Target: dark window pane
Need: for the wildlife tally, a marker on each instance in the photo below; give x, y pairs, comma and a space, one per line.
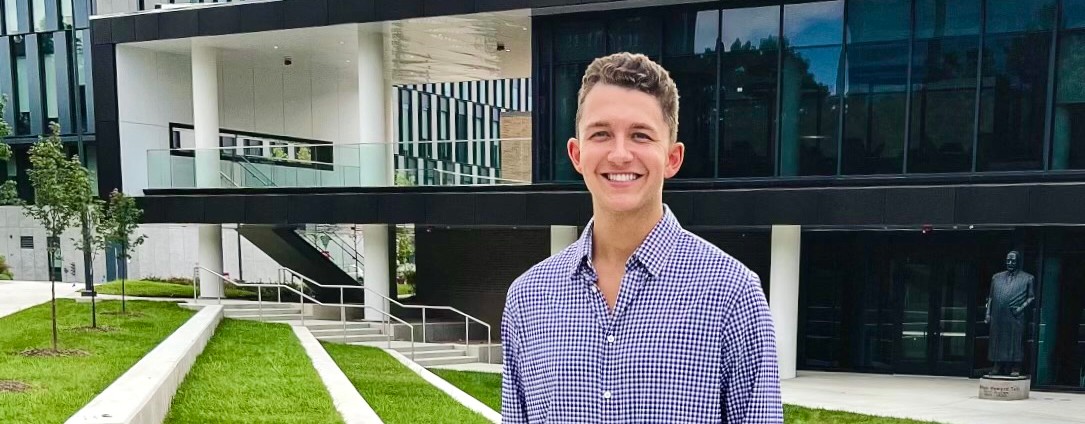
1073, 14
814, 24
879, 20
943, 104
578, 41
946, 18
81, 78
424, 117
22, 84
1019, 15
810, 107
638, 34
1012, 102
404, 115
876, 110
1068, 148
748, 71
566, 84
49, 71
691, 33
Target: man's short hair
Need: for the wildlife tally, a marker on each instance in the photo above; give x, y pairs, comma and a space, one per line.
636, 72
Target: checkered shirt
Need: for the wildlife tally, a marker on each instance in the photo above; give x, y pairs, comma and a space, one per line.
690, 339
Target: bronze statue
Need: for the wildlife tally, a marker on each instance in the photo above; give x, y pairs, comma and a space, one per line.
1011, 294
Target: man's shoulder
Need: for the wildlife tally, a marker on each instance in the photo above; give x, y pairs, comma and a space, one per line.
692, 251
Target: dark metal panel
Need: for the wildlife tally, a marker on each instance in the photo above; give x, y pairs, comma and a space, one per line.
302, 209
499, 5
501, 208
63, 81
123, 29
720, 207
101, 32
34, 82
88, 67
219, 20
109, 158
852, 207
178, 24
451, 209
6, 81
266, 209
147, 27
81, 10
558, 208
226, 209
189, 209
919, 205
400, 9
1059, 204
993, 205
261, 16
353, 208
784, 207
104, 77
401, 208
350, 11
304, 13
681, 205
447, 7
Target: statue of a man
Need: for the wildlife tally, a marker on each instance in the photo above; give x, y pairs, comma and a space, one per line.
1011, 294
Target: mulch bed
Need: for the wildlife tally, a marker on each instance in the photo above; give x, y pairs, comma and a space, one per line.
50, 353
12, 386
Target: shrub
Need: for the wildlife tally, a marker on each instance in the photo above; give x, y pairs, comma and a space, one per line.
5, 270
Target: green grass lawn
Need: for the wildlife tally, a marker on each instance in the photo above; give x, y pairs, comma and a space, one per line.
486, 387
253, 372
60, 386
142, 288
396, 393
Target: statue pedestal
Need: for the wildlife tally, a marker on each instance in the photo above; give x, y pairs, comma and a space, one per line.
1004, 387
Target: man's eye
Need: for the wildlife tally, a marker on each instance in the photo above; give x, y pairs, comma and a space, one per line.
642, 136
599, 134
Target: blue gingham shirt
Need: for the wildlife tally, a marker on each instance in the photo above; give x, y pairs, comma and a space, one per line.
690, 339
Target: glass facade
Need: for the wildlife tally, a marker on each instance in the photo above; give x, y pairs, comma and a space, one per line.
844, 87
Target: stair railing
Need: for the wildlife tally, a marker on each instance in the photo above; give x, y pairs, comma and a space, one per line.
283, 272
301, 300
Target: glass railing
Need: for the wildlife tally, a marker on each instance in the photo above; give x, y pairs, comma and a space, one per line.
337, 247
111, 7
430, 163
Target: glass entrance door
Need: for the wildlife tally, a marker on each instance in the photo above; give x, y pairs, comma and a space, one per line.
935, 309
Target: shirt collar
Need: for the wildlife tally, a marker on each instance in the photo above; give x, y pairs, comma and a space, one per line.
652, 252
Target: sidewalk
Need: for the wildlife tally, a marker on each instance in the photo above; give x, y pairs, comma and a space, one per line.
18, 295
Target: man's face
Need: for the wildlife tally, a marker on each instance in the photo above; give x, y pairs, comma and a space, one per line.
1011, 262
625, 150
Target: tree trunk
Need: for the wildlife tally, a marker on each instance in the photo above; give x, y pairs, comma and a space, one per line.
53, 290
124, 275
88, 269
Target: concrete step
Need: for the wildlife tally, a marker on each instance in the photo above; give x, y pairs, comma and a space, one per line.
446, 360
319, 325
267, 317
256, 312
436, 353
353, 339
405, 347
255, 305
338, 331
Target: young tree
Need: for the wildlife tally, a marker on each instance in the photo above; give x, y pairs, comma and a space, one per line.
60, 186
120, 223
90, 243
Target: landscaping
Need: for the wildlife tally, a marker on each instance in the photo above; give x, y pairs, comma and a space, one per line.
396, 393
174, 288
47, 388
253, 372
486, 387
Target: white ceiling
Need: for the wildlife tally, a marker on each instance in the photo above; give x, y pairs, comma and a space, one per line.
443, 49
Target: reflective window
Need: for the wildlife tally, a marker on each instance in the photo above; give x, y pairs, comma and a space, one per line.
1073, 14
814, 24
878, 20
943, 104
639, 34
690, 40
39, 15
461, 131
1004, 16
748, 72
946, 18
1061, 330
67, 16
83, 101
579, 41
22, 84
1068, 144
566, 83
48, 63
11, 17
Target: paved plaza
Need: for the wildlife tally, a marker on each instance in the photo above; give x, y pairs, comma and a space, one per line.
18, 295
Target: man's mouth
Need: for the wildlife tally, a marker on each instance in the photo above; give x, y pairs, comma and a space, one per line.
621, 177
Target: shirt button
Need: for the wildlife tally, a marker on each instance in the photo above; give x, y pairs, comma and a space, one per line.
606, 394
610, 338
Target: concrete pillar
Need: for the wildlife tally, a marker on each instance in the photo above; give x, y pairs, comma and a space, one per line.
205, 119
375, 255
210, 257
784, 294
374, 113
561, 236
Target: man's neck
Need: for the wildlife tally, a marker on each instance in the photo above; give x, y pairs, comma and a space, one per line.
616, 236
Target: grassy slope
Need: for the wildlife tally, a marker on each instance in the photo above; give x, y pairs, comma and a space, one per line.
253, 372
61, 386
397, 394
143, 288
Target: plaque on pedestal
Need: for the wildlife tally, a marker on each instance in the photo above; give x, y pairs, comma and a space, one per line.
1004, 387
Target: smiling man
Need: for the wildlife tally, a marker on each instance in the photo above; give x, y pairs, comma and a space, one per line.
639, 320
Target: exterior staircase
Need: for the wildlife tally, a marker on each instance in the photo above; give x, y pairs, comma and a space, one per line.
357, 333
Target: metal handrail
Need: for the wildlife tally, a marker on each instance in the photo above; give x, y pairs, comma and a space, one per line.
252, 170
467, 318
228, 179
301, 296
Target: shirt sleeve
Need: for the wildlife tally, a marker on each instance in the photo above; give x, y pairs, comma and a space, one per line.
751, 374
513, 404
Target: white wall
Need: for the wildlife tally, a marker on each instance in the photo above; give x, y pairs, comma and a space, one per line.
309, 101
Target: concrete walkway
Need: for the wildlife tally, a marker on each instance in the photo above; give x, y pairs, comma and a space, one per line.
942, 399
18, 295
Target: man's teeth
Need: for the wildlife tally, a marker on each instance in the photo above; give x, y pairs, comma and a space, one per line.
621, 177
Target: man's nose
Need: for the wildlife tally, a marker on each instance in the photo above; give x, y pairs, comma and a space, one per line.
620, 153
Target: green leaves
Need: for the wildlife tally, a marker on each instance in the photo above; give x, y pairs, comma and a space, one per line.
62, 191
120, 222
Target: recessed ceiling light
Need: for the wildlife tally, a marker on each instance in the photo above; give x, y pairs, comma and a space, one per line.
340, 43
348, 60
276, 47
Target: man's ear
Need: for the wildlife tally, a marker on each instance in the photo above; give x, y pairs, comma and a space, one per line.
676, 154
574, 153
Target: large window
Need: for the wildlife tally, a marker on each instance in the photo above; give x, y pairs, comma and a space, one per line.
749, 64
1013, 97
1068, 134
689, 39
49, 80
810, 83
22, 85
1060, 360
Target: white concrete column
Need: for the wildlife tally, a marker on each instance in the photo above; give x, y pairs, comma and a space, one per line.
561, 236
210, 257
374, 114
377, 278
784, 294
205, 120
